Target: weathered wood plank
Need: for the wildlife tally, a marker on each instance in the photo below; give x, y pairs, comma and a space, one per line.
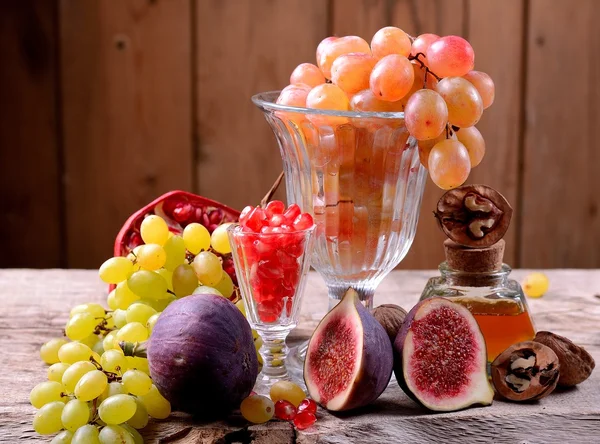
561, 156
30, 214
36, 305
243, 48
126, 93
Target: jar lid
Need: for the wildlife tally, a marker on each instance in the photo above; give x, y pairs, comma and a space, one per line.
474, 260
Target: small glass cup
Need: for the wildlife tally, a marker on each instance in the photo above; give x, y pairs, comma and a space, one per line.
271, 269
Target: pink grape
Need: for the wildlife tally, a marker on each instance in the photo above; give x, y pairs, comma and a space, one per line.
473, 141
392, 77
484, 85
293, 95
450, 56
421, 44
323, 44
419, 82
390, 40
327, 96
335, 48
425, 147
307, 74
425, 115
465, 106
449, 164
351, 72
366, 101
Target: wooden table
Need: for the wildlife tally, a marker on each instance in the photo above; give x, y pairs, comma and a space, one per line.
35, 305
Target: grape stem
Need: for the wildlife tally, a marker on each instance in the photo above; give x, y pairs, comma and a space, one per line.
423, 66
265, 200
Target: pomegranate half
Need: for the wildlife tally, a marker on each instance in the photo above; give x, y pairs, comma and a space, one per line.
440, 358
349, 358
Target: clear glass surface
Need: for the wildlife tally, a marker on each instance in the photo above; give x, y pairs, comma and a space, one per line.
359, 175
271, 270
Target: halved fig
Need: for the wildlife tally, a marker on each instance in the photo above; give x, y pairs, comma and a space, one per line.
349, 358
475, 216
440, 358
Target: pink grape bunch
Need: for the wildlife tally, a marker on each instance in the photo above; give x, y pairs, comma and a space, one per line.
429, 78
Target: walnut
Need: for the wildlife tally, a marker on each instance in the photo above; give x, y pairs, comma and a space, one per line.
391, 317
525, 371
474, 216
576, 364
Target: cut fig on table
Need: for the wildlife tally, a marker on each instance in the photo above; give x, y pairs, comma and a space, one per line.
349, 358
475, 216
440, 358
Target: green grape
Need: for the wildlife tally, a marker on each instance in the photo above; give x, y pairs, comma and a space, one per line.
151, 257
196, 238
112, 389
220, 240
111, 300
114, 434
115, 270
140, 418
117, 409
73, 374
46, 392
208, 268
137, 438
110, 341
47, 419
119, 318
167, 276
151, 322
158, 407
89, 340
124, 297
72, 352
88, 434
75, 414
91, 385
225, 285
49, 351
257, 409
287, 391
132, 332
205, 289
139, 313
241, 307
184, 280
175, 249
135, 363
147, 284
154, 230
98, 347
92, 308
80, 326
136, 382
113, 361
63, 437
56, 371
160, 304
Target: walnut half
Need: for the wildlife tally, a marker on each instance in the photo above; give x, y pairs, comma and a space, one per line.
525, 371
576, 364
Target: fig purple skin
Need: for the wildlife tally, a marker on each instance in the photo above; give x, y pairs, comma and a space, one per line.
361, 368
202, 357
440, 359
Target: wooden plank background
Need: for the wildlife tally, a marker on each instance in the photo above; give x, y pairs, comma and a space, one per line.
105, 104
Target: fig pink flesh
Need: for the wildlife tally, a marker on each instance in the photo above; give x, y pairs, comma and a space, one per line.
457, 353
336, 348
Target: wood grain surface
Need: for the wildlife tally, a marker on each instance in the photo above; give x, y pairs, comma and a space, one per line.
36, 305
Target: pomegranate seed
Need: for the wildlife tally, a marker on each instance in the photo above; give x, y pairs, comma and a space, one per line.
308, 405
245, 213
134, 240
303, 221
285, 410
183, 212
256, 219
205, 220
216, 216
292, 213
198, 215
277, 220
304, 420
274, 207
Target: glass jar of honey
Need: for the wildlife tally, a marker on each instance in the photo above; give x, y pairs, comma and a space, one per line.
478, 280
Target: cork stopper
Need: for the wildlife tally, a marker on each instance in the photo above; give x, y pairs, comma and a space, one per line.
474, 260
